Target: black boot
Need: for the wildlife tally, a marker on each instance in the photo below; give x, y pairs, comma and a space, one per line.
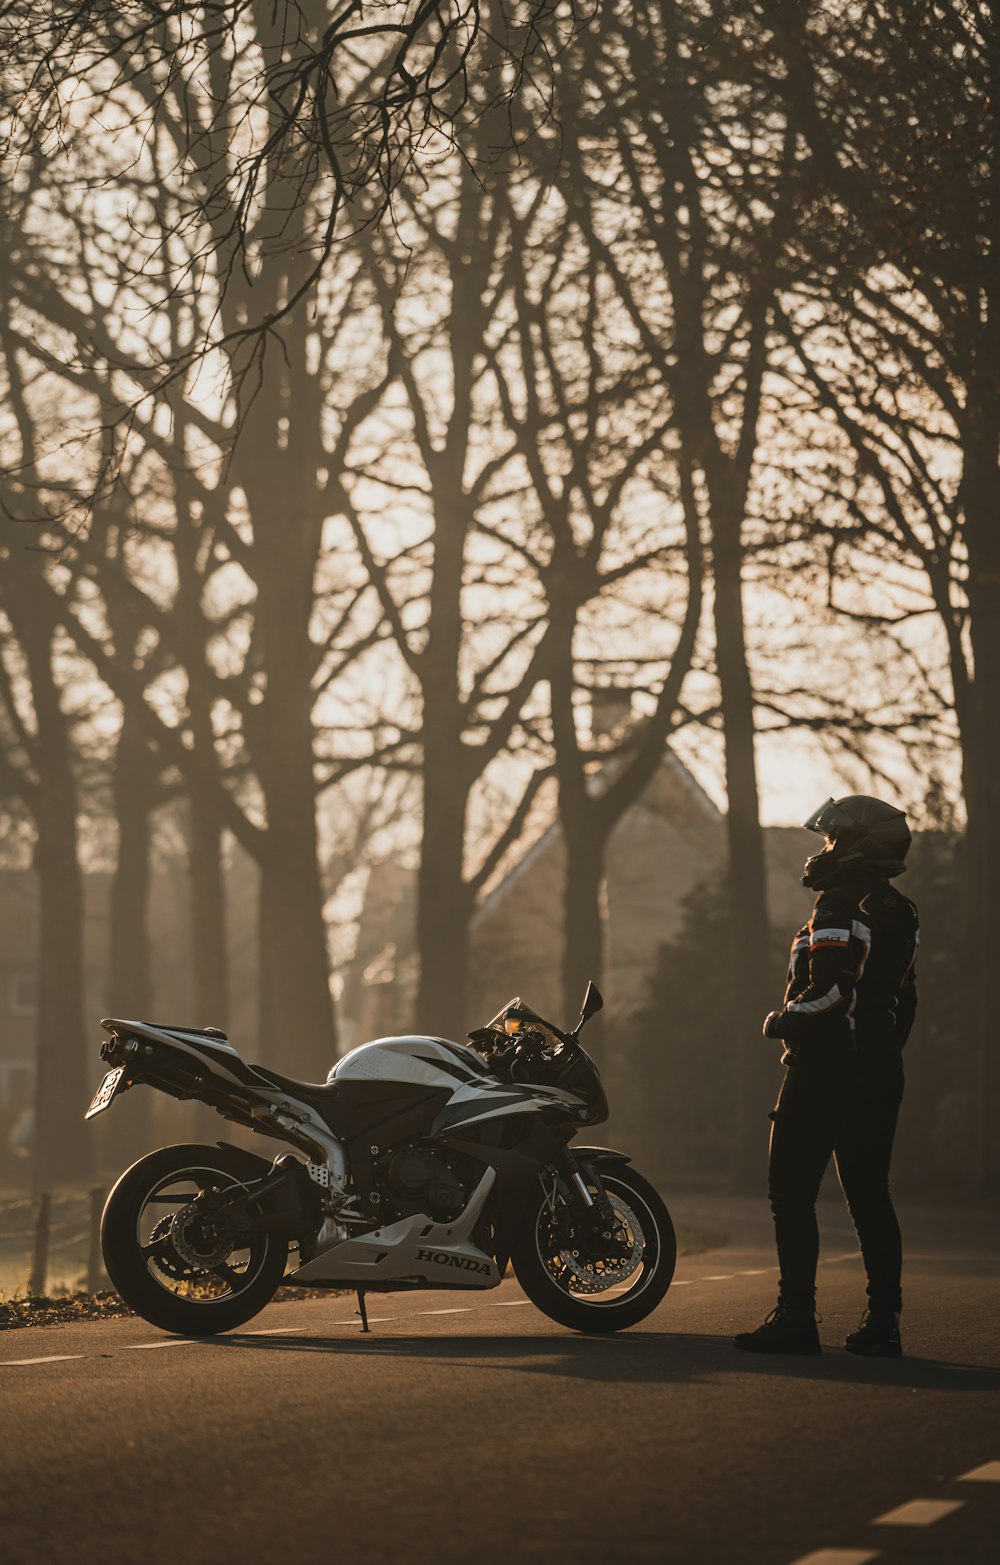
786, 1330
877, 1336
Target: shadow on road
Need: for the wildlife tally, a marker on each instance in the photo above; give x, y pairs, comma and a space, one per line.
651, 1358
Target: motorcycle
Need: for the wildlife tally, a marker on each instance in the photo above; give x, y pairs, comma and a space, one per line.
419, 1163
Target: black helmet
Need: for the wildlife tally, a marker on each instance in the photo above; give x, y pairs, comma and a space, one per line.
864, 836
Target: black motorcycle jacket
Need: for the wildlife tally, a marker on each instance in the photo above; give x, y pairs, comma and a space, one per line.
852, 971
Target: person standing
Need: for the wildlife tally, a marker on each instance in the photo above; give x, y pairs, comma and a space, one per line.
848, 1010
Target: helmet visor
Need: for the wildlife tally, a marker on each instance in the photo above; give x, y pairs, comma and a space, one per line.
829, 820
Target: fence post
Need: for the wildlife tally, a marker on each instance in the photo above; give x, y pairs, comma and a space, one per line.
95, 1261
40, 1263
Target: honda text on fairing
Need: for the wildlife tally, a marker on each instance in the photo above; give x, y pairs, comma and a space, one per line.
419, 1164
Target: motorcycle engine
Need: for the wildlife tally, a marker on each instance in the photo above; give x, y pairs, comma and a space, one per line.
417, 1179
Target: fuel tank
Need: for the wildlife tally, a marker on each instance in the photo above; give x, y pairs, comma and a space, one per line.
431, 1063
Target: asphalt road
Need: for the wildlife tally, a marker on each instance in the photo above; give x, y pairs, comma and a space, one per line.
468, 1428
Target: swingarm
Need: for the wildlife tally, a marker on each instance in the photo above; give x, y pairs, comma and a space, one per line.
293, 1202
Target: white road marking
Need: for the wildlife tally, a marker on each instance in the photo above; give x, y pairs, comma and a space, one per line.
918, 1513
171, 1342
272, 1331
352, 1320
756, 1271
837, 1557
347, 1320
988, 1473
719, 1277
682, 1282
462, 1309
51, 1358
508, 1304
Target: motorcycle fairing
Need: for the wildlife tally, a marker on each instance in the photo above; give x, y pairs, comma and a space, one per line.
216, 1052
540, 1143
413, 1250
473, 1104
213, 1061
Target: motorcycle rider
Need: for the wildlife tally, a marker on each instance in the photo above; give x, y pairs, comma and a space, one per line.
848, 1009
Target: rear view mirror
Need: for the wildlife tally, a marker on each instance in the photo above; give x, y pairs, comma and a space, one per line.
593, 1002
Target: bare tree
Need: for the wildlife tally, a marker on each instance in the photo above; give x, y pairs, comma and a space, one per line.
895, 117
244, 543
468, 671
290, 123
681, 170
594, 434
39, 767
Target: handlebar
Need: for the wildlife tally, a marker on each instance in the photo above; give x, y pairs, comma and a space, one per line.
521, 1046
502, 1041
518, 1032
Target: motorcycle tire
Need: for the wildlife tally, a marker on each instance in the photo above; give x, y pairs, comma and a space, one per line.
547, 1275
144, 1280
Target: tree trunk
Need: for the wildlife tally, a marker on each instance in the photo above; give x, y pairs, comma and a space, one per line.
981, 504
130, 984
583, 921
748, 960
444, 905
296, 1009
62, 1150
208, 933
583, 944
210, 960
209, 951
444, 900
278, 473
297, 1032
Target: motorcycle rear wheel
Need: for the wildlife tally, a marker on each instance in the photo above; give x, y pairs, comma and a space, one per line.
185, 1293
569, 1286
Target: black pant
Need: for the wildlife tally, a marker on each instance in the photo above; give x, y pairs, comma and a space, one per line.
846, 1108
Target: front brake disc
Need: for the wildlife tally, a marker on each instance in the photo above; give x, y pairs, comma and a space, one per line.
595, 1273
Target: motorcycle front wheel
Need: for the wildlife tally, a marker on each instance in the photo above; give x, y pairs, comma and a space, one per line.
593, 1278
175, 1249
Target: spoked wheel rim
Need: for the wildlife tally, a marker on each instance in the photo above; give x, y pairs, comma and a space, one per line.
188, 1241
576, 1265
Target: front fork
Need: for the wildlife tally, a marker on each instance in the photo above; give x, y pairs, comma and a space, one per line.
575, 1189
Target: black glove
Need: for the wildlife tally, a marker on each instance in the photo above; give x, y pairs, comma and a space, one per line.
774, 1024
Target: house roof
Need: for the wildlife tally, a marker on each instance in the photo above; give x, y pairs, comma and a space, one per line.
672, 791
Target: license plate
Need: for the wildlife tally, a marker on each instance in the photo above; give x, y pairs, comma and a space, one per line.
113, 1083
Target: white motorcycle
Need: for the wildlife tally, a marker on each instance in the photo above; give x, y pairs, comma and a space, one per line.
419, 1163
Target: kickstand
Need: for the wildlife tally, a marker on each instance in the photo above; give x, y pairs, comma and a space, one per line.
363, 1308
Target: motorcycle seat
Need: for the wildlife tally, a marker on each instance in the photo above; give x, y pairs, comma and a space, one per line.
323, 1090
